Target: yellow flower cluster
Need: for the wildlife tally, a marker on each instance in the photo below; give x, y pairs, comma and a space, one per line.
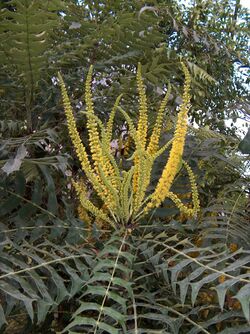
124, 193
74, 135
143, 110
83, 214
155, 137
109, 129
150, 154
141, 131
92, 126
87, 204
102, 164
194, 190
98, 157
183, 209
175, 157
78, 145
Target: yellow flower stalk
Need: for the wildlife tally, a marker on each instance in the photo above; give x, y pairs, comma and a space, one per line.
109, 128
143, 110
78, 145
144, 174
88, 205
155, 137
194, 190
183, 209
175, 157
100, 159
83, 214
151, 154
75, 137
92, 126
141, 132
189, 212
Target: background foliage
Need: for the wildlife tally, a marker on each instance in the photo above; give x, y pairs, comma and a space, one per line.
171, 275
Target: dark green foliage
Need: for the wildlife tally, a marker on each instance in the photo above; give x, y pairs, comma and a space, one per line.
26, 39
40, 262
146, 280
107, 291
27, 29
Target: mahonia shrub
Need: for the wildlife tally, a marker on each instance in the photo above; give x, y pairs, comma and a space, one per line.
123, 191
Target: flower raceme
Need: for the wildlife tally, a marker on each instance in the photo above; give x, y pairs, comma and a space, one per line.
123, 191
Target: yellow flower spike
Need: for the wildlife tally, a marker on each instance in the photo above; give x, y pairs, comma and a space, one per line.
111, 193
136, 174
143, 110
162, 149
94, 141
83, 214
155, 137
145, 167
88, 93
151, 150
132, 130
81, 186
142, 126
138, 179
109, 127
183, 209
142, 129
79, 147
99, 157
195, 194
175, 156
138, 148
88, 205
75, 137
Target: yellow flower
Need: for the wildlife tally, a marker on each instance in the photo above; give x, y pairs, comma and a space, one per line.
100, 158
87, 204
143, 110
183, 209
155, 137
142, 174
78, 145
108, 134
194, 190
175, 157
141, 129
83, 214
143, 168
75, 137
92, 126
